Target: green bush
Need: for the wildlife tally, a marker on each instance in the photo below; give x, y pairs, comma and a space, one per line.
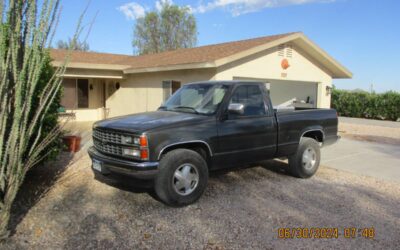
362, 104
51, 118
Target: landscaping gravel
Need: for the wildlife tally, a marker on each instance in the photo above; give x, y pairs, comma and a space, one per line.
370, 130
242, 209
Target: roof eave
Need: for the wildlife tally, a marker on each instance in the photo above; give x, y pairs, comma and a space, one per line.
199, 65
338, 70
95, 66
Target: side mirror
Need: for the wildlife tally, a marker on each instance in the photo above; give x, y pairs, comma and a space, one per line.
236, 108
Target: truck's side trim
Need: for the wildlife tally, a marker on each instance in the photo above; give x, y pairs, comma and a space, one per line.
184, 142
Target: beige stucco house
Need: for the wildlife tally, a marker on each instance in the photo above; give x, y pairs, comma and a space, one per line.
99, 85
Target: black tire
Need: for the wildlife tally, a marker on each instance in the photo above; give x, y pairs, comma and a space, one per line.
164, 182
298, 167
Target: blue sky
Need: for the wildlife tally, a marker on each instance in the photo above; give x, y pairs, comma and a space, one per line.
364, 35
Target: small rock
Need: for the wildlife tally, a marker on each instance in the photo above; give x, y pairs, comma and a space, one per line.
211, 242
147, 235
38, 232
139, 222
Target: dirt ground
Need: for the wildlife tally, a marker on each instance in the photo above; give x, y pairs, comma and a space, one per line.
370, 133
242, 209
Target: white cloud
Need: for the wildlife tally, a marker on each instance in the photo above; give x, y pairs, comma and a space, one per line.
160, 3
240, 7
132, 10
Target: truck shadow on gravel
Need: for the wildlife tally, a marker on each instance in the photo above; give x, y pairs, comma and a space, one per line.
129, 184
276, 166
240, 209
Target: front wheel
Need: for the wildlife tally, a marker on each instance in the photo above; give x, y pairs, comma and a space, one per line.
305, 162
182, 177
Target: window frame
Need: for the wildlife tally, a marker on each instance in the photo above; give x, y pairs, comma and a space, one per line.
237, 117
76, 104
77, 93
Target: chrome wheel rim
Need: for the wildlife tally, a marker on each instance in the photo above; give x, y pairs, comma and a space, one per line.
309, 158
185, 179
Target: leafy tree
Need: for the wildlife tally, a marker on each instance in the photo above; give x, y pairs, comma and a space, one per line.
70, 44
29, 92
171, 28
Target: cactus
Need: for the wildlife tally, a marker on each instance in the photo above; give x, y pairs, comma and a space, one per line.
26, 31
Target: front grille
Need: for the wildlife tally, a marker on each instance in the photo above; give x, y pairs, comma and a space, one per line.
106, 136
107, 148
106, 141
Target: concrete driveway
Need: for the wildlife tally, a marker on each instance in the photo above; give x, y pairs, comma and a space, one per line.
365, 158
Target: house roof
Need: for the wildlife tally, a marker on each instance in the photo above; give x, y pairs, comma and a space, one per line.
199, 57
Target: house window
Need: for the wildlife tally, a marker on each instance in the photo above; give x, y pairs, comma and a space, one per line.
83, 93
169, 88
76, 93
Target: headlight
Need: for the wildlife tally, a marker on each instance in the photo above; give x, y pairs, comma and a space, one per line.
142, 152
131, 152
127, 139
141, 141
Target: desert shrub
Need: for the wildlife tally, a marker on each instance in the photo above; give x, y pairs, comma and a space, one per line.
50, 120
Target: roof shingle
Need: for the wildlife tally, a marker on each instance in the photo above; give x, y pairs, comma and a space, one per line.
201, 54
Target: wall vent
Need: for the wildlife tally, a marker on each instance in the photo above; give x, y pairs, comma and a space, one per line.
289, 51
285, 50
281, 50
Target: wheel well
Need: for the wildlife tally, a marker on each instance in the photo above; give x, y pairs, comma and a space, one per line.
200, 148
315, 134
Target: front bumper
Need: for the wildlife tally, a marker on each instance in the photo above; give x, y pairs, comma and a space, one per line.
140, 170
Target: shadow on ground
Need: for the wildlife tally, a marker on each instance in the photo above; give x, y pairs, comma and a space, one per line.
240, 209
38, 181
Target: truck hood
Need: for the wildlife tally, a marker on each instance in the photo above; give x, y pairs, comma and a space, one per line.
146, 121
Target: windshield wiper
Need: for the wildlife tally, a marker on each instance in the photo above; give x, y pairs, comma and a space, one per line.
186, 107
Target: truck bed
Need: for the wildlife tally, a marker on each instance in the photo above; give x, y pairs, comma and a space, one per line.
293, 123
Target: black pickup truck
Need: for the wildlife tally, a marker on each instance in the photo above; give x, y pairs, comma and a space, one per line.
207, 126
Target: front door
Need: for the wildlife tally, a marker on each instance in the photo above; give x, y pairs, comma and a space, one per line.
249, 137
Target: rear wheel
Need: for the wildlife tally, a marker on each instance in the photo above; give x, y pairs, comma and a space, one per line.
305, 162
182, 177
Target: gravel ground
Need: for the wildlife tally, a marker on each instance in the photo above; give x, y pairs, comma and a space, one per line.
242, 209
384, 132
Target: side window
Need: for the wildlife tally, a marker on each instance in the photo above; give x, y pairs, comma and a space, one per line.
252, 99
83, 93
76, 93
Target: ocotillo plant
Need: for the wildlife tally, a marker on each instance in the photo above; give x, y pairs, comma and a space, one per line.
26, 32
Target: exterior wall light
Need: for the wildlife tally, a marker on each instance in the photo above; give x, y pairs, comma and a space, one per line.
328, 90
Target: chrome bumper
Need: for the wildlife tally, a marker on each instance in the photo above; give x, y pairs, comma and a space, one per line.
141, 170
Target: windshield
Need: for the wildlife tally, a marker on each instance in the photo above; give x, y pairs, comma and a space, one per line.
196, 98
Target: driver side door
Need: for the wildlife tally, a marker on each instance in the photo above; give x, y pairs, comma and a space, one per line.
248, 137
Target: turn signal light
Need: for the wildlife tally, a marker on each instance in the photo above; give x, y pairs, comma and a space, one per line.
144, 154
143, 141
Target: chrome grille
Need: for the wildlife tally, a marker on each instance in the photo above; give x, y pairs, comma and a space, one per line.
104, 141
106, 136
107, 148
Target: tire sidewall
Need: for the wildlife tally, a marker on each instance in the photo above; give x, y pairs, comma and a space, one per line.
304, 144
164, 181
